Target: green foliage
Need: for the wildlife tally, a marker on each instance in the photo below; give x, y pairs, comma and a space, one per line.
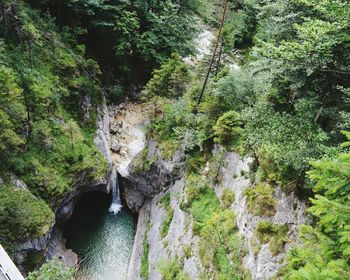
275, 235
283, 142
228, 129
260, 200
219, 244
135, 36
175, 129
46, 136
227, 198
216, 164
325, 251
144, 259
165, 201
12, 111
202, 207
58, 153
195, 188
22, 216
53, 270
292, 95
170, 80
240, 24
195, 163
143, 162
172, 270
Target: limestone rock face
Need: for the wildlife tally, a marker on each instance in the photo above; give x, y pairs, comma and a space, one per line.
128, 143
30, 245
289, 210
261, 264
102, 138
159, 175
179, 236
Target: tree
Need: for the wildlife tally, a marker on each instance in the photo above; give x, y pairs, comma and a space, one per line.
228, 129
135, 36
12, 113
170, 80
326, 249
53, 270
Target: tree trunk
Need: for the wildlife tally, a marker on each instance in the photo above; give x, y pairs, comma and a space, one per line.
213, 55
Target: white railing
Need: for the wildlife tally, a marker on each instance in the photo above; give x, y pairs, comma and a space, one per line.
8, 270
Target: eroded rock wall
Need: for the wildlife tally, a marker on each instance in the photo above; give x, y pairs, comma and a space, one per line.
261, 263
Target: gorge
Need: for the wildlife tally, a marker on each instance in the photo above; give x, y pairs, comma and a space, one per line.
137, 142
103, 240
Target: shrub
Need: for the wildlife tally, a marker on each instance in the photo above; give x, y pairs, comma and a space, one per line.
228, 129
144, 259
275, 235
219, 244
260, 200
53, 270
194, 188
143, 163
170, 80
16, 224
172, 270
165, 201
227, 198
166, 223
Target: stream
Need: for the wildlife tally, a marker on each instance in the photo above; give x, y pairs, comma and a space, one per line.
102, 240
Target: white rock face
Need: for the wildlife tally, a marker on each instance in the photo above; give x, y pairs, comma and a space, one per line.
102, 138
289, 211
17, 182
203, 44
134, 270
128, 138
262, 265
170, 247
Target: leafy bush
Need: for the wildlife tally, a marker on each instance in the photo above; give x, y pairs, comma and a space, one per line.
46, 136
275, 235
228, 129
56, 157
165, 201
174, 129
325, 248
170, 80
53, 270
143, 163
260, 200
219, 244
12, 111
144, 259
171, 270
227, 198
22, 216
195, 188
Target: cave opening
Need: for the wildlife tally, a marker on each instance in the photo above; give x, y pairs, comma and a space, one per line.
102, 240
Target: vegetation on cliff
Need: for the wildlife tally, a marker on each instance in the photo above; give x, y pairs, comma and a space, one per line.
58, 61
53, 270
285, 108
49, 95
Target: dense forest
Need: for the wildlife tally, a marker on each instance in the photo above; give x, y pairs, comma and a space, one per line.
287, 107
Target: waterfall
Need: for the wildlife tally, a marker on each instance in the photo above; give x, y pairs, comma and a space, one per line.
116, 204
